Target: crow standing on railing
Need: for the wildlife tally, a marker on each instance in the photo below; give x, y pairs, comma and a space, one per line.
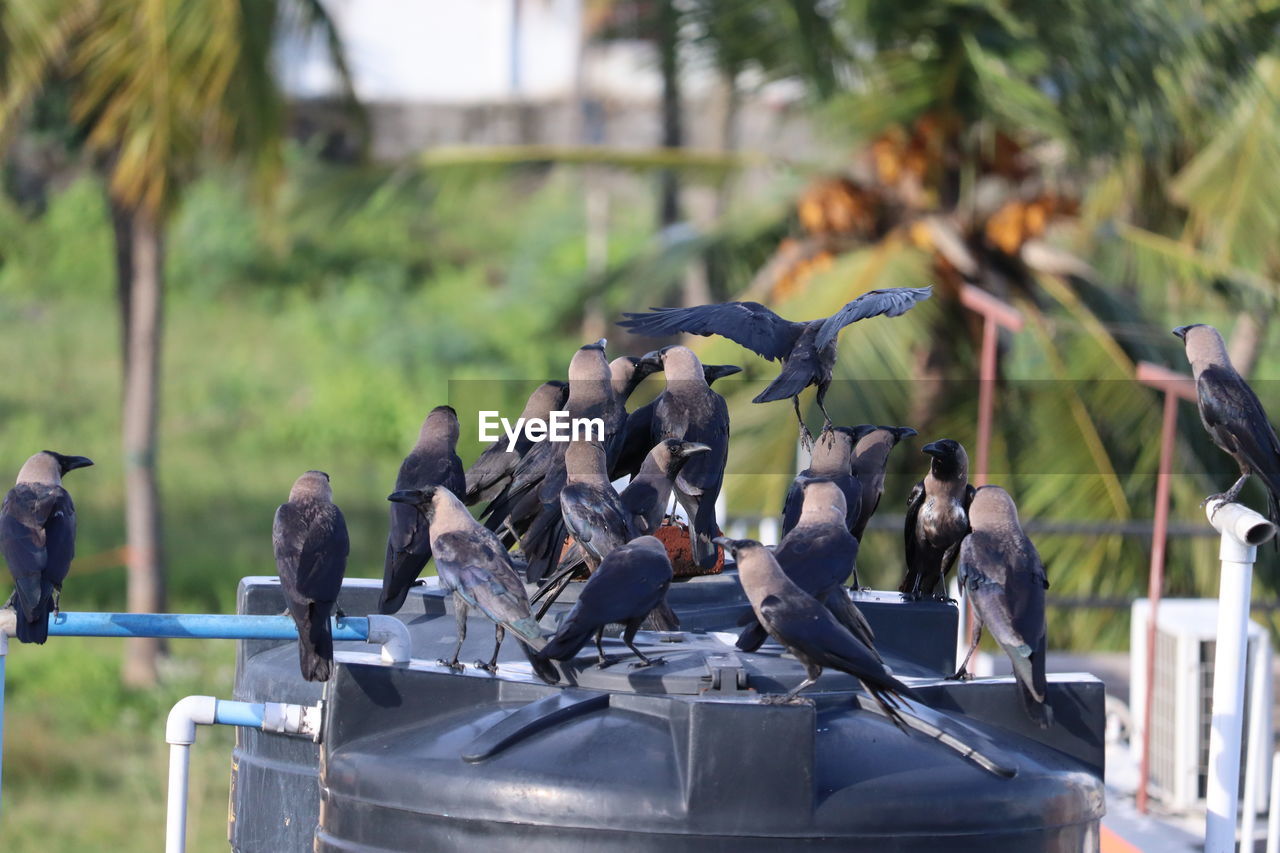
433, 461
38, 539
1232, 414
311, 545
807, 350
1005, 579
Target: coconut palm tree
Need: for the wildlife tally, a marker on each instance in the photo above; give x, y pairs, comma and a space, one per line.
156, 88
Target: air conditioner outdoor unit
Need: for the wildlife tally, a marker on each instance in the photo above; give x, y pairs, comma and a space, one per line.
1182, 702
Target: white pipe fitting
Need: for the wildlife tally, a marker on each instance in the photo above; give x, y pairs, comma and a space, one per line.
1239, 524
8, 622
393, 635
186, 715
284, 718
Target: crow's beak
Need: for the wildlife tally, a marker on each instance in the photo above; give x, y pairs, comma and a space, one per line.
1181, 332
407, 496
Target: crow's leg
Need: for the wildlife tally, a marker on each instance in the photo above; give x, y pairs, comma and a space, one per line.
806, 437
492, 666
460, 609
1232, 494
628, 637
962, 673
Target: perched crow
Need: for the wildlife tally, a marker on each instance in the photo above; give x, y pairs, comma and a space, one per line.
592, 509
688, 410
492, 469
311, 546
38, 539
806, 629
807, 350
473, 565
631, 582
636, 439
1004, 578
1232, 414
832, 460
818, 555
433, 461
937, 519
870, 455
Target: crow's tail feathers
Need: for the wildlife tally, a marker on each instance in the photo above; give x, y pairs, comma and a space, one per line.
315, 643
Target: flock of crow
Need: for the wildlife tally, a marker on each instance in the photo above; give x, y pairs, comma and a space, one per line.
551, 513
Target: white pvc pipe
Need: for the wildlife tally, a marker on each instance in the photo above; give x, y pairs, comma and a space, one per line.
175, 825
180, 732
769, 528
393, 635
1273, 811
1258, 706
1242, 531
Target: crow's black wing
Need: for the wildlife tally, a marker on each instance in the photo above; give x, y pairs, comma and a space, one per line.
891, 302
1234, 417
747, 323
914, 503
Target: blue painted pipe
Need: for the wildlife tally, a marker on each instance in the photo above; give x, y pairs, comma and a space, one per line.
239, 714
207, 626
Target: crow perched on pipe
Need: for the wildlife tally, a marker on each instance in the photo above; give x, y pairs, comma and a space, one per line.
38, 539
807, 350
1232, 415
311, 546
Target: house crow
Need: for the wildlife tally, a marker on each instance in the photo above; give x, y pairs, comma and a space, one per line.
806, 629
492, 468
870, 455
636, 439
937, 519
832, 460
433, 461
311, 546
38, 539
631, 582
1004, 579
818, 555
1233, 416
688, 410
807, 350
473, 565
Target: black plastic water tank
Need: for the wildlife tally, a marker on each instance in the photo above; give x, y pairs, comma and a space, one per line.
678, 756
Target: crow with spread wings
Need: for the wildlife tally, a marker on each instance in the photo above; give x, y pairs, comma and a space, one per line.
807, 350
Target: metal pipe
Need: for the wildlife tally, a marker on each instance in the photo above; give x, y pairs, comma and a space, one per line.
207, 626
1242, 531
1155, 585
986, 398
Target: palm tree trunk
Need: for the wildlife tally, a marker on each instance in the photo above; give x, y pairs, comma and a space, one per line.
142, 298
668, 38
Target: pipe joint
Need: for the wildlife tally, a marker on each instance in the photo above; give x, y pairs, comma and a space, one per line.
1242, 529
189, 712
393, 635
284, 718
